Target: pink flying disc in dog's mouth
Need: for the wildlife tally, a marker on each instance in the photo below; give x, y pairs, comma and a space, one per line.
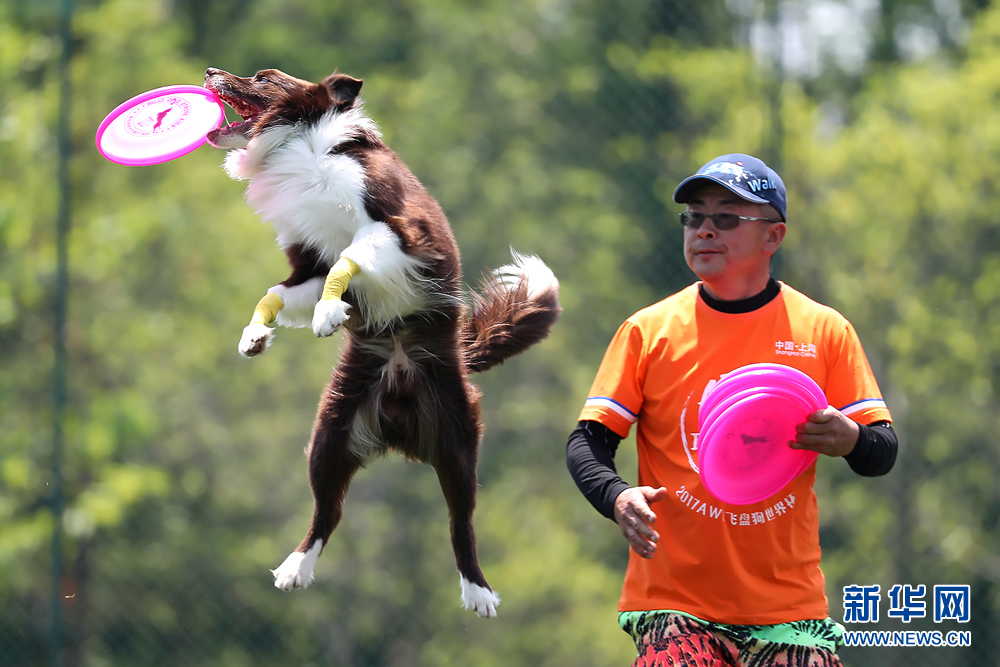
159, 125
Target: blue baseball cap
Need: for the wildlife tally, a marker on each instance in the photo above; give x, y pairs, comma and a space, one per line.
742, 174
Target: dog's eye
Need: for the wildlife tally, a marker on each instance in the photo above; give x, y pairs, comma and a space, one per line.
261, 79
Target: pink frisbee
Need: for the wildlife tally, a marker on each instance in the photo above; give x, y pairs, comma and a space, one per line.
705, 437
159, 125
783, 368
765, 373
738, 385
809, 459
763, 376
744, 457
795, 393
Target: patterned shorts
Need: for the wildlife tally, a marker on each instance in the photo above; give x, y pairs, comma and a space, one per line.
667, 639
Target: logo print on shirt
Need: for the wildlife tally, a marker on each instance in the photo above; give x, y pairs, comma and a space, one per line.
790, 348
691, 451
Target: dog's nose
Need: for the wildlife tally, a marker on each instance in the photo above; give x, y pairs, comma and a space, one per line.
211, 71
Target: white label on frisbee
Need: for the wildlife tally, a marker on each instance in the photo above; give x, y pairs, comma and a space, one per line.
160, 115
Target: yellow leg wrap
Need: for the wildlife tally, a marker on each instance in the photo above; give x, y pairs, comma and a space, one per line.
338, 278
267, 309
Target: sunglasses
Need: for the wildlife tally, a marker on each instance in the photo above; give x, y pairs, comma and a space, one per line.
720, 220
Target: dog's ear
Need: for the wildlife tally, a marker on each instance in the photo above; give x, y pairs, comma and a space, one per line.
343, 89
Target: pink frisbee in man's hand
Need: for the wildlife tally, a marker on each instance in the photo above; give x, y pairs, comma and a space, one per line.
744, 456
159, 125
745, 423
725, 402
763, 376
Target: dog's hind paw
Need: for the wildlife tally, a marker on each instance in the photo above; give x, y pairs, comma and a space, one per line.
297, 570
328, 315
256, 338
481, 600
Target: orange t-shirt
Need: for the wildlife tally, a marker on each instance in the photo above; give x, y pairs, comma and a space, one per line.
752, 564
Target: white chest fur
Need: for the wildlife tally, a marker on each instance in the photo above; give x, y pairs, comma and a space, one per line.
310, 195
314, 197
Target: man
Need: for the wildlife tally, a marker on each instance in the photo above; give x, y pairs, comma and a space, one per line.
725, 584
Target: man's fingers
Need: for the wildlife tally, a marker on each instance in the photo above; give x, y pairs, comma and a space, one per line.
644, 550
822, 416
650, 495
640, 520
641, 544
812, 427
654, 495
815, 447
645, 514
636, 519
806, 427
827, 432
807, 438
640, 534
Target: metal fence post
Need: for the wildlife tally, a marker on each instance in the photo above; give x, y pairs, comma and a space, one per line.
59, 370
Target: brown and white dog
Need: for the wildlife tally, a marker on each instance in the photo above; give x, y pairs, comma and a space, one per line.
372, 251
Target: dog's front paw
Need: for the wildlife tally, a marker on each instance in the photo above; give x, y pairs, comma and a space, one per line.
256, 338
297, 570
481, 600
328, 315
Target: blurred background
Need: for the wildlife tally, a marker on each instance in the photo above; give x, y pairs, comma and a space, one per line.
150, 476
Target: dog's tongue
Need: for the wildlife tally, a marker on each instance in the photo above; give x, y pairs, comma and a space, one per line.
230, 136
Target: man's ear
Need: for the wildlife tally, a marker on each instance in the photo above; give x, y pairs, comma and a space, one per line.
343, 89
775, 235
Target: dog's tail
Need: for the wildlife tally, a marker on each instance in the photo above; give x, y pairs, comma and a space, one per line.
517, 308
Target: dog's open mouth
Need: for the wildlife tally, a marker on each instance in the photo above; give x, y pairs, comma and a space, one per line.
235, 134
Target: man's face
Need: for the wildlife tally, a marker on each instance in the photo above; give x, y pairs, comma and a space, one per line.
725, 254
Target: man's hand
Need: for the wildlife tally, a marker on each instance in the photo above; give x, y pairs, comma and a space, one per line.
828, 431
636, 519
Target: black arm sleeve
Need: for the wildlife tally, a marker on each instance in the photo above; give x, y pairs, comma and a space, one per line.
590, 457
875, 452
